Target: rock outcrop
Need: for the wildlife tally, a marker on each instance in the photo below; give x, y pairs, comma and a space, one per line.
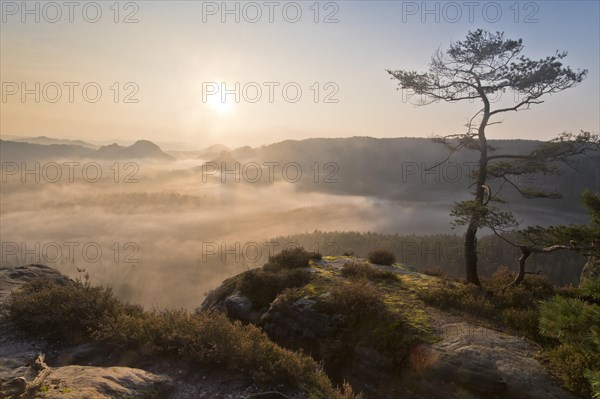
464, 360
92, 371
11, 278
23, 370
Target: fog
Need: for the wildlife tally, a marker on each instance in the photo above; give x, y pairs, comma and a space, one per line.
152, 236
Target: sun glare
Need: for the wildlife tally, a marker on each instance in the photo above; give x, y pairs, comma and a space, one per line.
219, 106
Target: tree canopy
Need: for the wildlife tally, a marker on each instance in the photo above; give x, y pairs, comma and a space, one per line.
483, 65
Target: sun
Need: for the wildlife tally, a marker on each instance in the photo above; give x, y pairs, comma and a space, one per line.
219, 106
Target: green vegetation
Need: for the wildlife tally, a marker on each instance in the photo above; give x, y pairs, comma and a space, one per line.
561, 320
357, 301
208, 339
292, 258
361, 270
565, 322
47, 310
594, 379
262, 286
371, 307
368, 320
516, 308
575, 324
286, 269
60, 312
489, 64
381, 257
441, 251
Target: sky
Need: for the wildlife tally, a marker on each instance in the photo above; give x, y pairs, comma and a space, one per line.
160, 70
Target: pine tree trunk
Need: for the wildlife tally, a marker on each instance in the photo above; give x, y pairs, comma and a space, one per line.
525, 252
471, 236
471, 255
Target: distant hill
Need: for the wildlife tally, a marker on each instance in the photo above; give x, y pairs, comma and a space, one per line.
139, 149
203, 154
212, 151
225, 158
23, 151
49, 140
13, 151
109, 151
397, 169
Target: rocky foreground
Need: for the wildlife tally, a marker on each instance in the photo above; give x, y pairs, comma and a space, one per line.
457, 359
30, 369
446, 356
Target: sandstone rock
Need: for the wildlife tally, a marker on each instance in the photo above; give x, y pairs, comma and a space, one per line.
468, 361
239, 307
13, 277
24, 372
14, 387
489, 363
297, 325
103, 383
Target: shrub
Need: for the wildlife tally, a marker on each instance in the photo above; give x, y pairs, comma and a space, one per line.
594, 379
357, 301
314, 255
513, 307
521, 320
368, 321
591, 289
576, 325
292, 258
381, 257
210, 339
570, 364
501, 277
365, 271
206, 339
262, 286
50, 311
539, 286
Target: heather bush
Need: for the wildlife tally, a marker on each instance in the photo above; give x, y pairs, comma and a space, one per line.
381, 257
56, 312
356, 270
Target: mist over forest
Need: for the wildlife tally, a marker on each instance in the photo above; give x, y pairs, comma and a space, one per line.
172, 227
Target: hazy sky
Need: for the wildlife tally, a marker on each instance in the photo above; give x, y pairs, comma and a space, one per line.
177, 51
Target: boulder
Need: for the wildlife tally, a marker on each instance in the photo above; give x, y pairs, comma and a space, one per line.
297, 325
239, 307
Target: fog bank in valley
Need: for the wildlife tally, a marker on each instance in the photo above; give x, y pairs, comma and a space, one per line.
153, 238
